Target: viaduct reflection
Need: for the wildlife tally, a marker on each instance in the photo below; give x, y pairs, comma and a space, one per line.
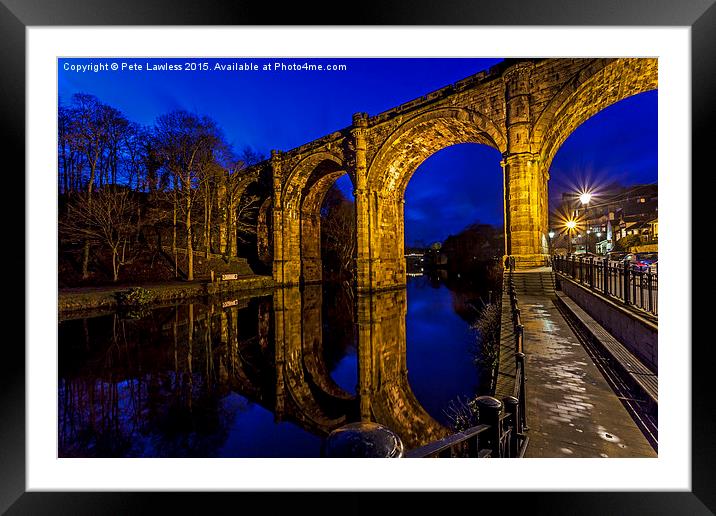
385, 394
158, 385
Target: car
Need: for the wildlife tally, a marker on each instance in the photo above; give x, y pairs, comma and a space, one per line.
640, 261
643, 261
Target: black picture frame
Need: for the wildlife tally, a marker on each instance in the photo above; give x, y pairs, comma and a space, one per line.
17, 15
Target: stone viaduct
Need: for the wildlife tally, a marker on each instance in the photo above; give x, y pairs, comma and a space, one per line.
525, 109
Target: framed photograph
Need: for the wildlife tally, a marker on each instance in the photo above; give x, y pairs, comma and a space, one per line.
260, 256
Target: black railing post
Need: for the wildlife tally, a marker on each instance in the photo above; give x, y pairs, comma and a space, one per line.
512, 408
625, 290
649, 291
489, 410
605, 268
520, 361
519, 337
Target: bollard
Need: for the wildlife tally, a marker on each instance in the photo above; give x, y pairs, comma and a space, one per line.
512, 405
489, 410
364, 440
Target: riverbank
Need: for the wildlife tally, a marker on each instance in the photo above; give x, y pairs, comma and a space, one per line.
82, 299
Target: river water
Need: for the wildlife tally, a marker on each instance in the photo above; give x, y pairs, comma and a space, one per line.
268, 376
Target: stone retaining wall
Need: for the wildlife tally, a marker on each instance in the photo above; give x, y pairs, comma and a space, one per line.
106, 299
638, 334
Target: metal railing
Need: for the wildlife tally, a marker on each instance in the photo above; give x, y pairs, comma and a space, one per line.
519, 388
501, 427
633, 286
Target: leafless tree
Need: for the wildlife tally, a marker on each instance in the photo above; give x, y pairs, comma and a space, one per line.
186, 143
241, 209
109, 220
338, 228
88, 134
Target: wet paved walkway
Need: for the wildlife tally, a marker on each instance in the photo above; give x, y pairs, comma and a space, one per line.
571, 410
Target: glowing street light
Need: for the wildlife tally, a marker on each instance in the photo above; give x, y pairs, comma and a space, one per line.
551, 238
585, 198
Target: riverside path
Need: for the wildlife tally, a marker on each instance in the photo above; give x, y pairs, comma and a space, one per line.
571, 409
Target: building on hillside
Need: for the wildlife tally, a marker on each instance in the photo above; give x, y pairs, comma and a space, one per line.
611, 214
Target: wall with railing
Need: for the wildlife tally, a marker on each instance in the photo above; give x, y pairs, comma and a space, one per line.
633, 286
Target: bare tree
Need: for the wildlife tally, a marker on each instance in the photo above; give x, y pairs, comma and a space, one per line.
70, 160
240, 209
338, 230
247, 209
88, 132
109, 220
187, 143
117, 129
210, 182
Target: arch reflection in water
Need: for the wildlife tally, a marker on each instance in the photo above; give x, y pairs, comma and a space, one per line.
385, 394
260, 377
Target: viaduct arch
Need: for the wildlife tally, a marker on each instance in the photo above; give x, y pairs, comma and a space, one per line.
525, 109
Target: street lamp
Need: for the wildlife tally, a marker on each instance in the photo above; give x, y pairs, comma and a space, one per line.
551, 236
584, 198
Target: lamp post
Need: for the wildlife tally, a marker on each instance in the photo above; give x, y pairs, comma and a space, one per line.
571, 224
584, 198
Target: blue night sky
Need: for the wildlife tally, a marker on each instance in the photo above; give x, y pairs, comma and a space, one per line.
455, 187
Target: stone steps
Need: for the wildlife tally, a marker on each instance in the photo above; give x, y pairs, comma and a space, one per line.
533, 283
